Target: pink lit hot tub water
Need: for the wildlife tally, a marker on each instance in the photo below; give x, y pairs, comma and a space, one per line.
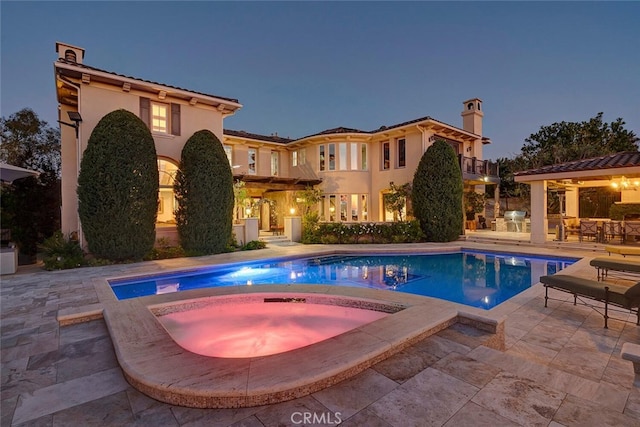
261, 327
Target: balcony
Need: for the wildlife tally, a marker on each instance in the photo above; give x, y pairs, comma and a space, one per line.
476, 171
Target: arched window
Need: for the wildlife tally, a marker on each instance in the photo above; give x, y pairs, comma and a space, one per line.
70, 55
166, 199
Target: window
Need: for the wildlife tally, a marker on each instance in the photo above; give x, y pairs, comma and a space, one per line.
354, 207
354, 156
342, 160
159, 117
229, 152
166, 198
402, 153
363, 207
303, 156
343, 207
252, 160
323, 215
363, 158
386, 156
275, 160
322, 157
332, 157
332, 208
294, 158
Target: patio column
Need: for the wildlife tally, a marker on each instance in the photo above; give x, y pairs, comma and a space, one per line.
539, 212
496, 205
572, 203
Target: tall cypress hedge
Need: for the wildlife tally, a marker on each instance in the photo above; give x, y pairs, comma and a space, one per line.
204, 192
437, 193
118, 188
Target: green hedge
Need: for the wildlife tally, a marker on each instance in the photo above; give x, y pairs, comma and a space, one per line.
437, 193
118, 188
619, 211
391, 232
204, 192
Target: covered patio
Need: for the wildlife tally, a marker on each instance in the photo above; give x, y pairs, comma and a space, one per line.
620, 171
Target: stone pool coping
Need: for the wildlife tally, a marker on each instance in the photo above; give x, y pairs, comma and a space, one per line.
154, 364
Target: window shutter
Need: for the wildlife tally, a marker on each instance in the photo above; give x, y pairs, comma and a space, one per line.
145, 111
175, 119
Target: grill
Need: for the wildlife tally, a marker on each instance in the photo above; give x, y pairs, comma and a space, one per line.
515, 220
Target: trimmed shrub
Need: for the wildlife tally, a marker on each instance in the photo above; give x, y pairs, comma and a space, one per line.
61, 253
204, 192
619, 211
118, 188
437, 193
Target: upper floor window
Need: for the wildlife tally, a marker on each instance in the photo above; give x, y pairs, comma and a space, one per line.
159, 117
354, 156
275, 160
386, 156
342, 159
294, 158
303, 156
402, 153
252, 163
332, 157
229, 152
363, 158
322, 159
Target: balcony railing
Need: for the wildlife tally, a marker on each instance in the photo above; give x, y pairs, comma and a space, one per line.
476, 169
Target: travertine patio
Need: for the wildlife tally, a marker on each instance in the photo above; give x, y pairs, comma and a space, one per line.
560, 366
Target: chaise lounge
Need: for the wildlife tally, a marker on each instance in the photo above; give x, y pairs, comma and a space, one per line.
627, 297
603, 265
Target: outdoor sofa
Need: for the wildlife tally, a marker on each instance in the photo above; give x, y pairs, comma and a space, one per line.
627, 297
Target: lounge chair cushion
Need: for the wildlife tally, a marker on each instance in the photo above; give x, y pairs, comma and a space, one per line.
624, 296
622, 250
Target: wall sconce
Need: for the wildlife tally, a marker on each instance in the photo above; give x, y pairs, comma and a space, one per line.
626, 184
247, 211
76, 118
292, 211
468, 149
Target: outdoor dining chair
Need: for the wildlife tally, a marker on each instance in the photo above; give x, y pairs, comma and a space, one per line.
588, 229
613, 229
631, 230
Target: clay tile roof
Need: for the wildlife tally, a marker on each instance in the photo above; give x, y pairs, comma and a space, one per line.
87, 67
611, 161
269, 138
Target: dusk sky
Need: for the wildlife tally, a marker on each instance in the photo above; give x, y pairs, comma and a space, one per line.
302, 67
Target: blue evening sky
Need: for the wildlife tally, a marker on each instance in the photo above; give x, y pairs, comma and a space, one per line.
303, 67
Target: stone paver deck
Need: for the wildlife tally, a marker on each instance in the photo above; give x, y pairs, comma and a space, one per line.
560, 367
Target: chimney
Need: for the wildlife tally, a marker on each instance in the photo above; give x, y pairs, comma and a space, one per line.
472, 116
69, 53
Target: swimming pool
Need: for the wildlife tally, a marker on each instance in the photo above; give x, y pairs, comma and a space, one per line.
477, 279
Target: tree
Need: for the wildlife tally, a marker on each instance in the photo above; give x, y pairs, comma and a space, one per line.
308, 200
205, 194
30, 143
437, 193
568, 141
118, 188
396, 198
31, 206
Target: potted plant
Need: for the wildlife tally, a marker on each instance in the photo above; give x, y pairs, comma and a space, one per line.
473, 204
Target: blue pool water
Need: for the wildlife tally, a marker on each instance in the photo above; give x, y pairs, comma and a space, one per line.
473, 278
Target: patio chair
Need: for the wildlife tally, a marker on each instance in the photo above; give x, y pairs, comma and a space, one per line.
627, 297
613, 229
631, 230
588, 229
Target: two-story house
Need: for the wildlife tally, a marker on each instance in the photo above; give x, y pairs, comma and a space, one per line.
352, 168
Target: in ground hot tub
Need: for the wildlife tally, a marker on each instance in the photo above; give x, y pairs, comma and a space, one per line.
244, 326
